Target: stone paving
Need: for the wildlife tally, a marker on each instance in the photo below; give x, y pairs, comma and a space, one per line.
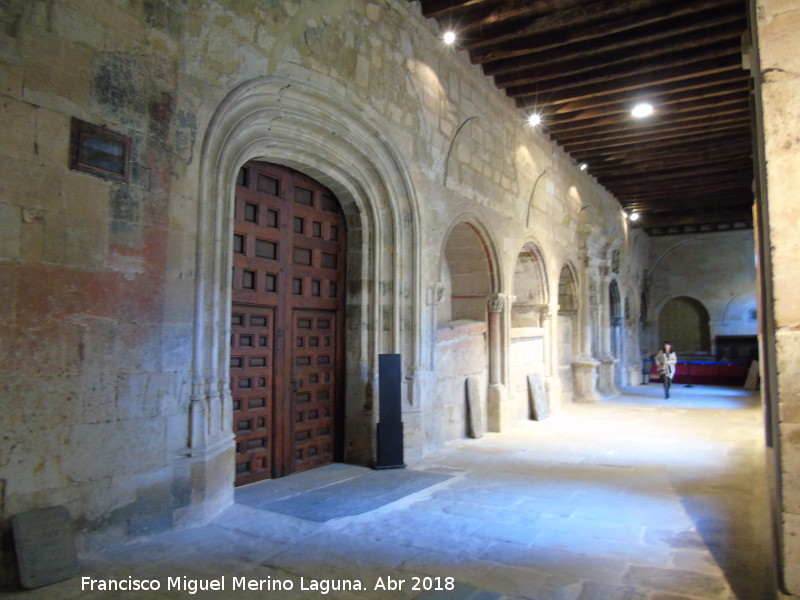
631, 499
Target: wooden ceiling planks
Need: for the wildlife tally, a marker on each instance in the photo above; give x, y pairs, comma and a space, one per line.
583, 64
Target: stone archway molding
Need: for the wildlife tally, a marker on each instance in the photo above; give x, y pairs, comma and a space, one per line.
339, 143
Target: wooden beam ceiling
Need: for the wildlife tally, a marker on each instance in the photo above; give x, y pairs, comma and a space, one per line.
583, 64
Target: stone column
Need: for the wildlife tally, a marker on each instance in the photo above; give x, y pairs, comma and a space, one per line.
496, 402
585, 367
606, 383
552, 383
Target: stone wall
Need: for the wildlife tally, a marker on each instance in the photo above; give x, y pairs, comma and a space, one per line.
716, 269
116, 306
527, 357
460, 353
778, 89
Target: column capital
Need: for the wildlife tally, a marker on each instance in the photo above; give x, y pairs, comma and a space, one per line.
496, 302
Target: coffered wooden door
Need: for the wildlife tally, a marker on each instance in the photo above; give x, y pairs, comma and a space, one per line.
287, 323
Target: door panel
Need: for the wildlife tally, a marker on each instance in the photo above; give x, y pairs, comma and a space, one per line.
252, 386
316, 384
289, 263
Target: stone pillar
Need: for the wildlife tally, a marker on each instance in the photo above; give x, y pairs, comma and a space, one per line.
552, 382
777, 77
498, 416
608, 362
585, 367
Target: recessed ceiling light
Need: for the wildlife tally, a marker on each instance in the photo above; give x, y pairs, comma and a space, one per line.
449, 37
642, 110
634, 216
584, 166
534, 119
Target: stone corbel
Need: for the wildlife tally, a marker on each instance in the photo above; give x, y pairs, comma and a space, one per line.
545, 313
435, 293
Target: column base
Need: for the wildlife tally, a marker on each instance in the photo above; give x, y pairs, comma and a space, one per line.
585, 381
606, 384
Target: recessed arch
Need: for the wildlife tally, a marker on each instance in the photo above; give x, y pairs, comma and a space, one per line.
568, 289
531, 288
741, 307
684, 321
298, 125
470, 264
567, 328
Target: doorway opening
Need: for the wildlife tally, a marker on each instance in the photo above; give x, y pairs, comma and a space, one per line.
287, 323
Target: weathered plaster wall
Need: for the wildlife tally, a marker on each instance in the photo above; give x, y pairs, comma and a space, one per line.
460, 353
716, 269
527, 357
113, 325
778, 28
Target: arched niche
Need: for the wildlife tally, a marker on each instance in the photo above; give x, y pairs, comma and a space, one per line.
467, 326
567, 327
468, 273
684, 322
530, 288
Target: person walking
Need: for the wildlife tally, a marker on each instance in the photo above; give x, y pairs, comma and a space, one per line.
666, 359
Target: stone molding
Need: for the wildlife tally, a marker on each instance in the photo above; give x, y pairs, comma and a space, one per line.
343, 149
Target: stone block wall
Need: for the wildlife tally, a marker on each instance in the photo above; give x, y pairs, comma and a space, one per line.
778, 86
460, 353
716, 269
527, 357
113, 326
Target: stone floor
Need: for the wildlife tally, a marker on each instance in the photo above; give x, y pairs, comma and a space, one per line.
630, 499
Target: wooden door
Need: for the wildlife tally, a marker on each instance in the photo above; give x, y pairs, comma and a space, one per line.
287, 323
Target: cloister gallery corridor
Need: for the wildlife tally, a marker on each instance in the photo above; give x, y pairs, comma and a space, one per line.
631, 499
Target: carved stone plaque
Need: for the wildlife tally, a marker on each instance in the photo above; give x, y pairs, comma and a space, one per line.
476, 421
540, 408
45, 546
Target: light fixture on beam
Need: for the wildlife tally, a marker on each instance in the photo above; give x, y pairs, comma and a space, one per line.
584, 166
449, 37
634, 216
642, 110
534, 119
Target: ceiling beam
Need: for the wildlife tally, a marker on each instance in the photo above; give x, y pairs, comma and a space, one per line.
613, 80
478, 21
439, 8
734, 78
718, 142
668, 174
721, 134
680, 164
743, 125
583, 57
626, 128
634, 84
620, 114
702, 195
557, 30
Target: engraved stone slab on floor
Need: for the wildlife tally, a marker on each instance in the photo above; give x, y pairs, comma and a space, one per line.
45, 546
341, 491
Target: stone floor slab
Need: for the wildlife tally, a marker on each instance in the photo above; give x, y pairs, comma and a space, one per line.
629, 499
